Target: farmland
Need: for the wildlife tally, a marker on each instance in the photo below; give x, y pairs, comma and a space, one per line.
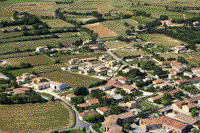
33, 60
141, 19
54, 23
38, 117
102, 31
79, 18
70, 79
116, 26
123, 53
157, 11
161, 40
115, 44
131, 22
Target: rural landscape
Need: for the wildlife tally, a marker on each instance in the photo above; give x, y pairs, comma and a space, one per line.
99, 66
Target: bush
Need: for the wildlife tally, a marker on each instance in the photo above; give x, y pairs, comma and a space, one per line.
81, 91
94, 118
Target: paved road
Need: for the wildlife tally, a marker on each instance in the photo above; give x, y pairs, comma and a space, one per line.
79, 123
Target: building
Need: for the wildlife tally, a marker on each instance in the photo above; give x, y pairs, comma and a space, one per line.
102, 110
70, 97
113, 123
158, 81
111, 63
180, 49
186, 119
88, 60
189, 74
41, 49
123, 80
177, 66
87, 113
93, 89
100, 68
41, 86
126, 70
161, 86
145, 57
72, 68
130, 104
104, 57
196, 71
21, 90
24, 77
102, 73
39, 80
57, 86
88, 103
74, 61
193, 80
165, 123
92, 101
110, 72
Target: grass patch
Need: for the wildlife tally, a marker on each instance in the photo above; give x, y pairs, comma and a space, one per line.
38, 117
70, 79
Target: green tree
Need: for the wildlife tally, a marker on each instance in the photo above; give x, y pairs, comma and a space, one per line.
141, 114
193, 113
127, 126
78, 100
166, 99
14, 84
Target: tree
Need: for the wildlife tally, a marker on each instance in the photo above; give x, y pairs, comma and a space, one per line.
182, 60
52, 98
151, 89
80, 91
60, 45
25, 65
94, 118
3, 98
78, 100
193, 113
127, 126
166, 99
14, 84
163, 17
57, 61
141, 114
84, 129
36, 26
116, 110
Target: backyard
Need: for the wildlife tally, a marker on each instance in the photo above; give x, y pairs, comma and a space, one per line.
37, 117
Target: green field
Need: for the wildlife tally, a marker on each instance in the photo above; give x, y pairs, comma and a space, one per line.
15, 55
53, 23
70, 79
33, 60
123, 53
161, 40
157, 11
35, 118
117, 26
141, 19
11, 47
131, 22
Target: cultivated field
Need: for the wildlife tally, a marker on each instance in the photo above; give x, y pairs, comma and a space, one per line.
131, 22
192, 58
116, 44
54, 23
33, 60
123, 53
70, 79
157, 11
102, 31
161, 40
141, 19
80, 18
117, 26
38, 117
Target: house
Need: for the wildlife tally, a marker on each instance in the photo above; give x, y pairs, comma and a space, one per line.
41, 86
88, 60
87, 113
180, 49
83, 105
196, 71
186, 119
113, 123
177, 66
92, 101
193, 80
111, 63
102, 110
126, 70
189, 107
21, 90
110, 72
72, 68
74, 61
70, 97
165, 123
57, 86
88, 70
24, 77
158, 81
172, 75
93, 89
108, 97
130, 104
189, 74
108, 86
122, 80
41, 49
104, 57
161, 86
39, 80
102, 73
100, 68
145, 57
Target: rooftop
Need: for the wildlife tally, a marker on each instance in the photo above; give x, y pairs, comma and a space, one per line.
158, 81
71, 95
186, 118
88, 112
92, 101
103, 109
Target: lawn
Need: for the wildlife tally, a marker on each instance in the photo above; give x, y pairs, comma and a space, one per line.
157, 11
116, 26
36, 60
11, 47
38, 117
123, 53
70, 79
161, 40
54, 23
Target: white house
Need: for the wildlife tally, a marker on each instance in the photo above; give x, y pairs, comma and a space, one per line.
57, 86
41, 49
191, 75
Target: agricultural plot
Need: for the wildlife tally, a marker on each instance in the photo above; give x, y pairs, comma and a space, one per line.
192, 58
103, 32
116, 26
79, 18
115, 44
31, 45
68, 34
157, 11
70, 79
131, 22
33, 60
54, 23
161, 40
38, 117
141, 19
123, 53
15, 55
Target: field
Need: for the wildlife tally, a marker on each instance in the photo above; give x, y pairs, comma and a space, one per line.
11, 47
80, 18
117, 26
157, 11
33, 60
192, 58
141, 19
161, 40
38, 117
102, 31
131, 22
115, 44
54, 23
70, 79
15, 55
123, 53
